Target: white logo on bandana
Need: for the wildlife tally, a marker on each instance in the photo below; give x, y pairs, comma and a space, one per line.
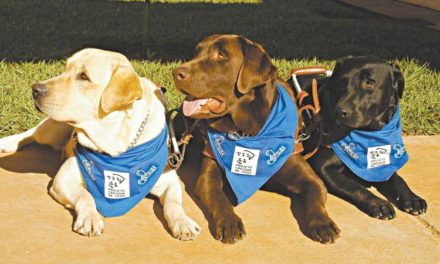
273, 156
400, 150
88, 167
349, 150
144, 176
218, 141
378, 156
245, 161
116, 184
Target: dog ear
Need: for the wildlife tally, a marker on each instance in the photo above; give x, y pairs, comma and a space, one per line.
257, 68
398, 80
339, 64
123, 89
211, 37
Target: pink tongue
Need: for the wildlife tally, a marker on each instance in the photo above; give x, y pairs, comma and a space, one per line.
192, 107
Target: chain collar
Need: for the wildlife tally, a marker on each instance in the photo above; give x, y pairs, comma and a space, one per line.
139, 132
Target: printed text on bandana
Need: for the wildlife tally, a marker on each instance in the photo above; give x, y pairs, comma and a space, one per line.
116, 184
245, 161
378, 156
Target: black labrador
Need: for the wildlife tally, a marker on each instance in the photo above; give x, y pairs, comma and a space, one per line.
362, 94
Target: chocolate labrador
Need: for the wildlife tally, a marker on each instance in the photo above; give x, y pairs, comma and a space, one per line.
361, 123
233, 86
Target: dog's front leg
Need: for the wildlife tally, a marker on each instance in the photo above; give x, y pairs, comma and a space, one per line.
340, 181
169, 191
228, 226
48, 131
13, 143
398, 191
298, 179
68, 189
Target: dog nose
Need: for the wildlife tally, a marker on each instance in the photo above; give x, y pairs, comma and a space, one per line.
343, 112
38, 90
181, 73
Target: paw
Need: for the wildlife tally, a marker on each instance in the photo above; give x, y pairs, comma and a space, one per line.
413, 205
89, 224
229, 229
325, 232
380, 209
185, 229
8, 145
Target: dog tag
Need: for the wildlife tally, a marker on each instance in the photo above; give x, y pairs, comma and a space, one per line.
378, 156
245, 161
116, 184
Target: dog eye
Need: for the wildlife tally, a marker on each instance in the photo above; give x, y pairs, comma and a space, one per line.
221, 55
369, 83
83, 76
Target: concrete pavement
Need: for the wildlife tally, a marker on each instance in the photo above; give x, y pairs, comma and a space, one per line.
35, 229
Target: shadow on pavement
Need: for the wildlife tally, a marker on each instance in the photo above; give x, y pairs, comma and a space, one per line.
289, 29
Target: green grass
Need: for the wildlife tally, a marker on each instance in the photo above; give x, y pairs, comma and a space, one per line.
37, 36
420, 106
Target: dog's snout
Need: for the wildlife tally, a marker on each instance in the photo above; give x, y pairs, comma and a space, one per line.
38, 90
181, 73
343, 112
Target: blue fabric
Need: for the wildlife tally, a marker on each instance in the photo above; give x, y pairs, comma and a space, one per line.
249, 162
374, 155
118, 183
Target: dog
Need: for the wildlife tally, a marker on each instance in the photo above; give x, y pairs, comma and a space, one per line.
362, 96
100, 107
232, 85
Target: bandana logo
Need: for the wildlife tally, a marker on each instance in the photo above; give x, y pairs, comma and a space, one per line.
88, 165
273, 156
348, 148
218, 141
400, 151
378, 156
245, 161
116, 184
144, 176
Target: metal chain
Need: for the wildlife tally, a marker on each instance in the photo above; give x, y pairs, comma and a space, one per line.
302, 137
139, 132
235, 135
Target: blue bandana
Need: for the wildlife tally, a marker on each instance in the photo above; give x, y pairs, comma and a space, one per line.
374, 155
118, 183
249, 162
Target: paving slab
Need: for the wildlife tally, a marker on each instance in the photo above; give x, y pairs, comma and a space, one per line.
400, 10
34, 228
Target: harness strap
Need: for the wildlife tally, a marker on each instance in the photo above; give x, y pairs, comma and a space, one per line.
312, 110
315, 96
300, 97
316, 107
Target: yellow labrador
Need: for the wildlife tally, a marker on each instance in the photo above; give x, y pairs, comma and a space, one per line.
101, 103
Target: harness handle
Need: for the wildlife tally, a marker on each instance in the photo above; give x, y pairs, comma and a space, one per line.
311, 70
